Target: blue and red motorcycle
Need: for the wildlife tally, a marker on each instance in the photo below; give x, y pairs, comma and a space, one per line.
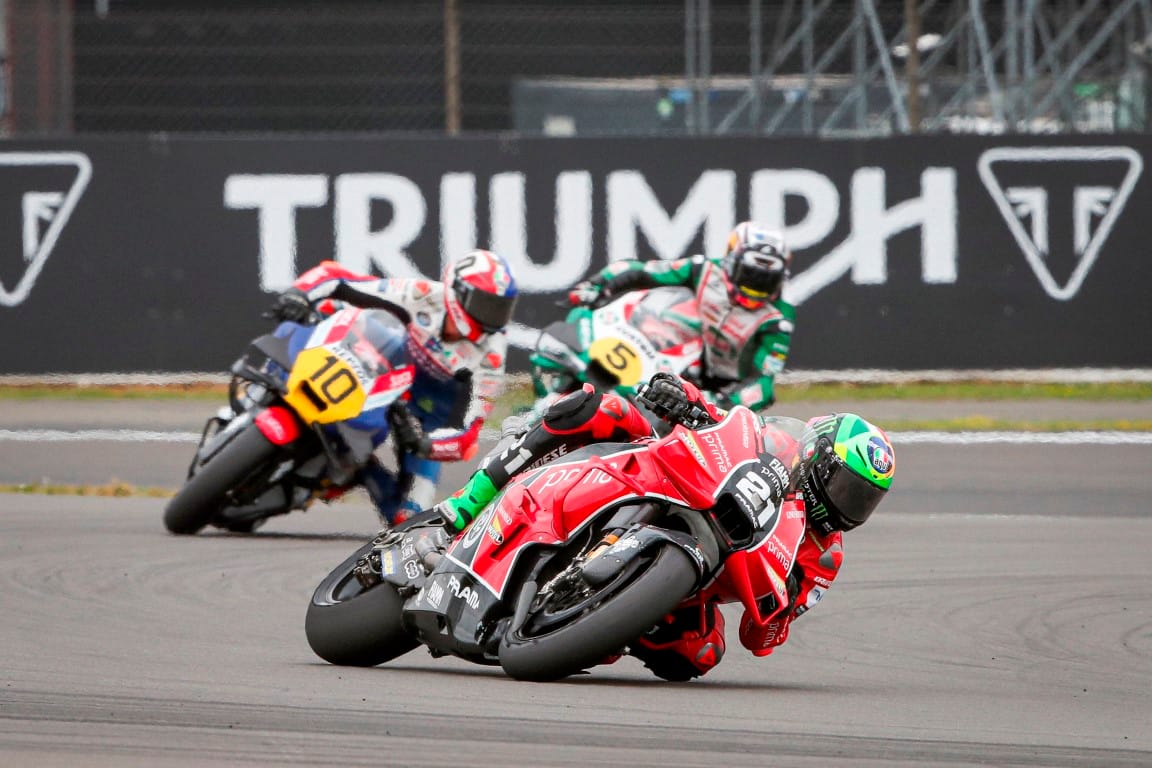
307, 405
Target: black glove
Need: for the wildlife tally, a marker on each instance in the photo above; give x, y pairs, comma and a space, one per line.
664, 395
407, 431
292, 305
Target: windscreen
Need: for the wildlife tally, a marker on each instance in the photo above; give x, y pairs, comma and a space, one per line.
377, 338
667, 317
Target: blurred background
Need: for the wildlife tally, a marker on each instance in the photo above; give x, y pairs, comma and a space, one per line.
960, 180
829, 68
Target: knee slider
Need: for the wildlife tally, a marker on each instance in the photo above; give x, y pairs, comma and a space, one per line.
572, 411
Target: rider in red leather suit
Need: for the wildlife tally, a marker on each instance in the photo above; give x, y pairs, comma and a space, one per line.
690, 641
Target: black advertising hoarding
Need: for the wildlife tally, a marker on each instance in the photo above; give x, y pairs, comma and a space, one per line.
159, 253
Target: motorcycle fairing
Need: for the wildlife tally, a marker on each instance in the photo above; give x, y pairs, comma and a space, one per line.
701, 459
466, 594
340, 373
628, 339
550, 505
730, 457
751, 574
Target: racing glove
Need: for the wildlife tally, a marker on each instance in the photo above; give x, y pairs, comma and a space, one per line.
407, 431
456, 446
292, 305
667, 397
410, 437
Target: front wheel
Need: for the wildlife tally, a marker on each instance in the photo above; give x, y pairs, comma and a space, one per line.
206, 492
352, 626
562, 637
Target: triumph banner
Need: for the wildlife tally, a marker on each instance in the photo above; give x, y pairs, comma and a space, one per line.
136, 254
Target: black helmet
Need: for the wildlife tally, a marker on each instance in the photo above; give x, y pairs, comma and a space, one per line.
756, 264
850, 468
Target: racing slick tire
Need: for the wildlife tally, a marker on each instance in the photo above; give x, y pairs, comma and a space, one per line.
604, 623
200, 500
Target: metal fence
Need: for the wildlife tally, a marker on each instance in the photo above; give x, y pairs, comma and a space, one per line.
791, 67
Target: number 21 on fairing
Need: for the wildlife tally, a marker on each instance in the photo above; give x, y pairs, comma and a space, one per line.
756, 490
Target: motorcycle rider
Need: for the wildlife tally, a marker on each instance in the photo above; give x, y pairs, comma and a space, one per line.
850, 465
747, 326
457, 341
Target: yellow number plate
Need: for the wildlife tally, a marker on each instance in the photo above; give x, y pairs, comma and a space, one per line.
619, 358
323, 388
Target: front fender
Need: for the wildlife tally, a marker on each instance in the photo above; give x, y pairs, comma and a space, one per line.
605, 565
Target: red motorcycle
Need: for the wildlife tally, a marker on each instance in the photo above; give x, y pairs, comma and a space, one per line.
574, 561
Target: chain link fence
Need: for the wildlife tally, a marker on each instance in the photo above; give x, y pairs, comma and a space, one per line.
794, 67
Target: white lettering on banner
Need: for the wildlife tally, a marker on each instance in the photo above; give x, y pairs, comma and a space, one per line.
276, 197
769, 193
457, 215
1089, 203
707, 209
358, 246
865, 252
509, 220
44, 214
632, 207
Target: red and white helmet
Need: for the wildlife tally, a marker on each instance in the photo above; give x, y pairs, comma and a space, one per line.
480, 293
756, 263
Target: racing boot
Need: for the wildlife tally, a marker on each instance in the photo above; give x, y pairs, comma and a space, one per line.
462, 507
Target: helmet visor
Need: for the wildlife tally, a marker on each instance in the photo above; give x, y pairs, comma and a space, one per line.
757, 281
490, 311
850, 495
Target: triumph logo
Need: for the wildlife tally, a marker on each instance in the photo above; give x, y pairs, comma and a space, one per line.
1038, 189
49, 185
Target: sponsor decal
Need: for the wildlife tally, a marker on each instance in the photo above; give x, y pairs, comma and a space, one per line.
690, 443
880, 457
495, 532
353, 362
770, 633
747, 426
717, 450
466, 594
472, 535
435, 594
782, 557
420, 289
387, 563
552, 455
411, 569
624, 545
753, 492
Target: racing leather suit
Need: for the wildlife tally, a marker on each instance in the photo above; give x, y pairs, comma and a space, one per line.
690, 641
454, 390
744, 349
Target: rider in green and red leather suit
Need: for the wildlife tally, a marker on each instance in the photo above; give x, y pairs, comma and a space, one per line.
746, 326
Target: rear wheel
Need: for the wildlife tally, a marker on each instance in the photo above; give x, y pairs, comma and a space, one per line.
206, 492
568, 633
354, 626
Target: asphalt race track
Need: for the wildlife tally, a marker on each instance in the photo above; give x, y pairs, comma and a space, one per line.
997, 611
